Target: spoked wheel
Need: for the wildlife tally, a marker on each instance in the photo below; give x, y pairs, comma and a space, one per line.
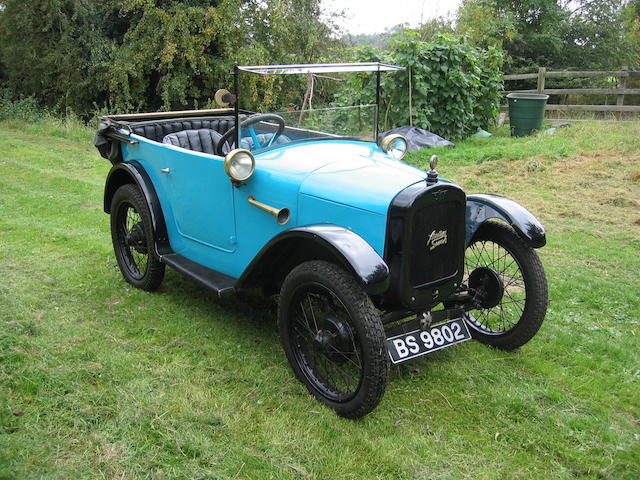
131, 233
333, 338
512, 285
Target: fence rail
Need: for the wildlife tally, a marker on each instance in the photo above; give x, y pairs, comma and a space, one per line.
525, 76
585, 91
621, 91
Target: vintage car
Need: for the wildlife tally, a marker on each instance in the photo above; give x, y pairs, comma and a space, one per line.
374, 261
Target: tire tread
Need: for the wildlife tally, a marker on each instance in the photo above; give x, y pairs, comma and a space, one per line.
373, 335
537, 290
155, 269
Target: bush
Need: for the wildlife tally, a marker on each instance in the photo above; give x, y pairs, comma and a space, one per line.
22, 109
455, 88
148, 55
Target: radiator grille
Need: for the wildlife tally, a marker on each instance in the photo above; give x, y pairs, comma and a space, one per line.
435, 243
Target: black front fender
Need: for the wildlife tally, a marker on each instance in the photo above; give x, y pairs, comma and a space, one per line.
483, 207
329, 242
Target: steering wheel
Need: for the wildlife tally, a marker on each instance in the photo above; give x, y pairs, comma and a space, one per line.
248, 123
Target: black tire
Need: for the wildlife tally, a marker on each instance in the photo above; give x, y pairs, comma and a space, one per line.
333, 338
132, 236
516, 313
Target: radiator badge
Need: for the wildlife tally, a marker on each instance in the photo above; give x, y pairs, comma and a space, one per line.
436, 239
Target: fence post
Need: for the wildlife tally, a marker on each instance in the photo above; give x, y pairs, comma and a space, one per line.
410, 99
542, 72
622, 83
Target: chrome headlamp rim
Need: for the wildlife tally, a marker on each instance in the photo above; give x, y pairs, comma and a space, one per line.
229, 158
386, 144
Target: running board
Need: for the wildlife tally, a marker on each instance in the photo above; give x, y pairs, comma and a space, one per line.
220, 283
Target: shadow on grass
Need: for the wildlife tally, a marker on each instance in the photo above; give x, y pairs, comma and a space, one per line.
252, 316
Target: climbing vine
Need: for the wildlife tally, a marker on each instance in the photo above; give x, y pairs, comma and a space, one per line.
447, 87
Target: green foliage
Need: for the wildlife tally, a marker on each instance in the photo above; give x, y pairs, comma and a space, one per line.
586, 34
377, 40
426, 31
455, 88
133, 55
26, 109
483, 25
541, 30
46, 47
172, 53
430, 29
599, 38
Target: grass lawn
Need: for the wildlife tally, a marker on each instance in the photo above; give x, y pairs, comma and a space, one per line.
100, 380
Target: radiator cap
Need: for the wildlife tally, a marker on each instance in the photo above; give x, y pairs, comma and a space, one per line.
432, 175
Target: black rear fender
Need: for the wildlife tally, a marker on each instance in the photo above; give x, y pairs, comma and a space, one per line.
124, 173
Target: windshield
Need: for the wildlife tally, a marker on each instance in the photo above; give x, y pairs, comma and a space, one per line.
262, 131
302, 122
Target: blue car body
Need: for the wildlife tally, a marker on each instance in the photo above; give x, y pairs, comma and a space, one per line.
332, 182
346, 184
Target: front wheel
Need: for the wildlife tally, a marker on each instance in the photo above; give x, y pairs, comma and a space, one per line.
333, 338
510, 281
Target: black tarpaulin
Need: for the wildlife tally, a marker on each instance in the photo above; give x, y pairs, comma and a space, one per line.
418, 138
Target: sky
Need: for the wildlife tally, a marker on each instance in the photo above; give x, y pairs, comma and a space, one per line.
371, 16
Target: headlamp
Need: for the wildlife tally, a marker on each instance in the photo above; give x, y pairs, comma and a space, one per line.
394, 145
239, 164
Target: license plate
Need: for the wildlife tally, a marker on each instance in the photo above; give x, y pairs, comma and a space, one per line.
420, 342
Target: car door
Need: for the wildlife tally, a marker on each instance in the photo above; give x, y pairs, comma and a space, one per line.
199, 194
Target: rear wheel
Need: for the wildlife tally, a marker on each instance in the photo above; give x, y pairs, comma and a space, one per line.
333, 338
512, 285
131, 233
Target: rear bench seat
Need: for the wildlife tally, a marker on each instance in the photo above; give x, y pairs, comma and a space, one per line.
203, 140
156, 131
198, 134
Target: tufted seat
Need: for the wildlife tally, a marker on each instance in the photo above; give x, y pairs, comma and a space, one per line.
202, 140
157, 130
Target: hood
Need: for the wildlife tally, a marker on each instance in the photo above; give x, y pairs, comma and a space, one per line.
360, 175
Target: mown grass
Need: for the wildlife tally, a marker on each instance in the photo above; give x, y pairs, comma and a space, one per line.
100, 380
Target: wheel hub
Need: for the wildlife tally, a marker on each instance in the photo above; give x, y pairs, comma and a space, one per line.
488, 286
334, 339
135, 238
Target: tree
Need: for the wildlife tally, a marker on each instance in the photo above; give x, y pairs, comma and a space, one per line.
430, 29
484, 25
129, 55
532, 32
46, 50
424, 32
586, 34
171, 56
598, 36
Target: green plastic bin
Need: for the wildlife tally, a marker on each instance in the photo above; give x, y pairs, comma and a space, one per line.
526, 112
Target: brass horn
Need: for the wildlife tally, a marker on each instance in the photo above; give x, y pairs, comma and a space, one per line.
282, 215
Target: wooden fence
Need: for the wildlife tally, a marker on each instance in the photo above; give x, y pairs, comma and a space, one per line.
621, 91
